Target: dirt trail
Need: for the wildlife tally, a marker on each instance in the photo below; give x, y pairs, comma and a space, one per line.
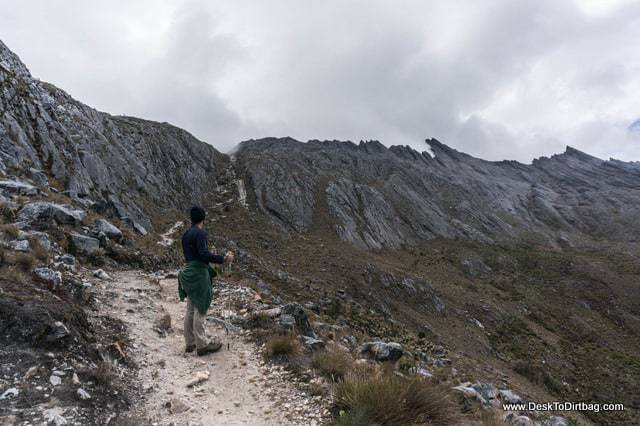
241, 389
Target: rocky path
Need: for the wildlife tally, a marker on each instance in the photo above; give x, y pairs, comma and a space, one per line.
238, 388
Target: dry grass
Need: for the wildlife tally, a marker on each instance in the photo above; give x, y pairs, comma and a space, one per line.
333, 363
388, 399
38, 250
104, 373
24, 261
283, 347
11, 231
12, 275
7, 214
260, 320
489, 417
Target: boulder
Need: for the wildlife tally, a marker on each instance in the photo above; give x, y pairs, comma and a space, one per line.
42, 237
17, 187
68, 259
301, 319
99, 273
103, 226
381, 351
48, 275
42, 214
313, 344
84, 244
20, 245
508, 396
487, 391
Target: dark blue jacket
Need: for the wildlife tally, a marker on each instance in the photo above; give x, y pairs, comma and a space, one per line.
194, 246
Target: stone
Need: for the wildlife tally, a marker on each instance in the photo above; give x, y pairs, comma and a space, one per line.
177, 406
17, 187
508, 396
520, 421
42, 214
107, 228
83, 394
68, 259
54, 416
486, 390
313, 344
381, 351
41, 237
84, 244
75, 379
9, 393
199, 377
58, 331
300, 317
49, 276
20, 245
424, 372
556, 421
32, 371
99, 273
55, 380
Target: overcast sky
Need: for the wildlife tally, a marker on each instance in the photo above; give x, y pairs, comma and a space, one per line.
503, 79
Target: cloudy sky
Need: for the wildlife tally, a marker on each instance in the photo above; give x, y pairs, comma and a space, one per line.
500, 79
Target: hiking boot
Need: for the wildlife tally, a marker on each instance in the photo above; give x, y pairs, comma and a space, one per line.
211, 347
190, 348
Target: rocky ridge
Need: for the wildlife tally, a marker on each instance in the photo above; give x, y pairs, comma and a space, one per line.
375, 197
121, 166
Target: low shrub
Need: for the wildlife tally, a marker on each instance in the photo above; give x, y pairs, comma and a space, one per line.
12, 275
105, 373
10, 231
283, 347
389, 399
333, 363
38, 250
24, 261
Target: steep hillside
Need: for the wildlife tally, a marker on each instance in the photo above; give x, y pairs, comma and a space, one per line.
376, 197
125, 166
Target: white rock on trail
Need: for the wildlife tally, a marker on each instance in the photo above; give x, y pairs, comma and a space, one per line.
55, 380
200, 376
83, 394
99, 273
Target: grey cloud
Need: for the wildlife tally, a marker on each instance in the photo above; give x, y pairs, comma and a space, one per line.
499, 79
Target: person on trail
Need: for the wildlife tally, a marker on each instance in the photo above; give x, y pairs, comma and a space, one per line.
195, 283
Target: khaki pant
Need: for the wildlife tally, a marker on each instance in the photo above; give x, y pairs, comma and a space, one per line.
194, 327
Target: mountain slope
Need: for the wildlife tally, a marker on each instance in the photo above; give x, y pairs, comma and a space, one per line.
386, 197
126, 166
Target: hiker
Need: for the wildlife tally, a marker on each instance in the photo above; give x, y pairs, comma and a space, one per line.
195, 283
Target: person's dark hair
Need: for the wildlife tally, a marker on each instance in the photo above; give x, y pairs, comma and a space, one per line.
197, 214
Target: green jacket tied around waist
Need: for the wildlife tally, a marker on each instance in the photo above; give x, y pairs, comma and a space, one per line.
195, 281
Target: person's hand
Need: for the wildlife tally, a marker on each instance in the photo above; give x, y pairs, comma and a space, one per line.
229, 257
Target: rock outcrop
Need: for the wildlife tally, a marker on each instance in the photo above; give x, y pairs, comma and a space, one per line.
377, 197
123, 166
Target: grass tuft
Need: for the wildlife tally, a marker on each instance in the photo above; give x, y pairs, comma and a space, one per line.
389, 399
333, 363
283, 347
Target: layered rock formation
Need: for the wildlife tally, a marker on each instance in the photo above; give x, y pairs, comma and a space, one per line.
121, 165
386, 197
